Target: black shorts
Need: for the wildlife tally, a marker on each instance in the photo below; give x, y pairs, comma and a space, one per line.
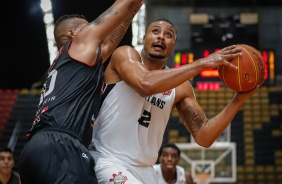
54, 157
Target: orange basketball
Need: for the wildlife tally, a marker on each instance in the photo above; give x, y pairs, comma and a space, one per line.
250, 71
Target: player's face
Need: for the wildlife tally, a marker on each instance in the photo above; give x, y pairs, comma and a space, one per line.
169, 158
159, 40
6, 162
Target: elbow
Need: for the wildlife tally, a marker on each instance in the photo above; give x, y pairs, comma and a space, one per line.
204, 140
145, 89
204, 144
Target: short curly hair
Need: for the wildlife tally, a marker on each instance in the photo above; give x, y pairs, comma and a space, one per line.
66, 17
169, 145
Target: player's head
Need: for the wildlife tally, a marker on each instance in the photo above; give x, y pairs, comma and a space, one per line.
169, 156
160, 38
6, 160
67, 26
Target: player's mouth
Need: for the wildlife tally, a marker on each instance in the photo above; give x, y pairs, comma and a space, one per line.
169, 165
159, 46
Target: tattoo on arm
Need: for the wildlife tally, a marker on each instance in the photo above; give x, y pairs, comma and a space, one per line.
194, 119
120, 31
101, 18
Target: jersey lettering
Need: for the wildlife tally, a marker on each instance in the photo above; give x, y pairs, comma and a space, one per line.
53, 75
49, 89
156, 101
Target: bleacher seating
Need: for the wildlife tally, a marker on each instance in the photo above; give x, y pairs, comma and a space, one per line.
22, 107
7, 100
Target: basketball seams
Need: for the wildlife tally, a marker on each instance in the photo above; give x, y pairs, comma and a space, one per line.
249, 70
238, 73
261, 80
252, 59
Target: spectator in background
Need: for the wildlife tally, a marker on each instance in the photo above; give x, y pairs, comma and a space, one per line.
167, 170
7, 163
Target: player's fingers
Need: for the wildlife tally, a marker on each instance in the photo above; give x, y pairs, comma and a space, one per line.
228, 48
228, 64
231, 50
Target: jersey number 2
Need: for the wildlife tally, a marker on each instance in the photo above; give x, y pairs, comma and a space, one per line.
145, 119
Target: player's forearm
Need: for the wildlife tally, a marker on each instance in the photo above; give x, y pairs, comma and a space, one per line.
158, 81
112, 41
215, 126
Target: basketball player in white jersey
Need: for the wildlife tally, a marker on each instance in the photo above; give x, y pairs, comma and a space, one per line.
139, 95
168, 170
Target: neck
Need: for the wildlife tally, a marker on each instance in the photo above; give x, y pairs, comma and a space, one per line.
4, 178
169, 176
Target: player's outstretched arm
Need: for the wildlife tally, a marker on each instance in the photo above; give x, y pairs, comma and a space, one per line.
205, 131
126, 63
112, 41
87, 43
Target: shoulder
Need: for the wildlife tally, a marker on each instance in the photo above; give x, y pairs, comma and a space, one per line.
156, 166
180, 169
185, 90
15, 178
189, 178
126, 48
125, 53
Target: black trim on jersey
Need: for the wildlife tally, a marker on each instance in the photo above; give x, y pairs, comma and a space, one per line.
108, 89
106, 63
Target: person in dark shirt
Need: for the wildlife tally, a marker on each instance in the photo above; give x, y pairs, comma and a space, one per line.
70, 101
7, 163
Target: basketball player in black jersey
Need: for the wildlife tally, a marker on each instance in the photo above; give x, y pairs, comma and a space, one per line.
56, 152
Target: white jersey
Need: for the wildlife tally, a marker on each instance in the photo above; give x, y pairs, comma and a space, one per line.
130, 127
180, 174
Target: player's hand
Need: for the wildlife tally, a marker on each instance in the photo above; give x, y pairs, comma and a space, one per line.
222, 57
247, 94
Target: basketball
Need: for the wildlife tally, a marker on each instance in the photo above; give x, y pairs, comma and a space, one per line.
250, 72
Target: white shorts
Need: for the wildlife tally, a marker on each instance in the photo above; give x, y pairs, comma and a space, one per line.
110, 170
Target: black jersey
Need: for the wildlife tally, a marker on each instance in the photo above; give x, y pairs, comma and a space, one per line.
71, 96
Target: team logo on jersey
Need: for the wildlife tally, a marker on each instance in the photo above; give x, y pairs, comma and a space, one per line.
84, 155
118, 178
167, 92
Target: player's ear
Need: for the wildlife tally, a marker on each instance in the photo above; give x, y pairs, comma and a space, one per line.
70, 33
